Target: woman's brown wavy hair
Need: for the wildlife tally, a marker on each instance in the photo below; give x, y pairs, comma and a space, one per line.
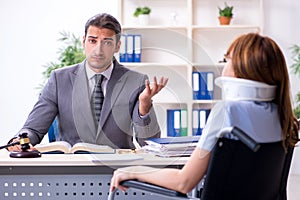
259, 58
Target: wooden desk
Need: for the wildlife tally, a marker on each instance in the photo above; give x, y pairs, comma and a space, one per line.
76, 176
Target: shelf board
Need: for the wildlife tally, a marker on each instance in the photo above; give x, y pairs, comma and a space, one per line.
139, 64
213, 101
125, 27
224, 27
149, 64
170, 104
194, 27
219, 65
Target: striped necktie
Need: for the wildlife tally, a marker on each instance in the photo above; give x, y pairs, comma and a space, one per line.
98, 97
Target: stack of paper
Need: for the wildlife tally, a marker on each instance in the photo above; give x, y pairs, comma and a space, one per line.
171, 146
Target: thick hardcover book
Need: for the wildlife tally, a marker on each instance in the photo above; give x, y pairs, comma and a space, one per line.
173, 140
65, 147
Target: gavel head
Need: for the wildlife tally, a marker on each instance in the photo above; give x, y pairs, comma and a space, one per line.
25, 146
24, 141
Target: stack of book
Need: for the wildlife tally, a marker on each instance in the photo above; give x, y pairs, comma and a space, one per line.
171, 146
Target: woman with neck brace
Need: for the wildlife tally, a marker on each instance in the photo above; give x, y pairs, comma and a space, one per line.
256, 98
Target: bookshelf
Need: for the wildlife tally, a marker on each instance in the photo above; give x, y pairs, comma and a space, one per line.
184, 36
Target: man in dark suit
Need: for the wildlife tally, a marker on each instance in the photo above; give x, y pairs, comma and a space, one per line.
68, 95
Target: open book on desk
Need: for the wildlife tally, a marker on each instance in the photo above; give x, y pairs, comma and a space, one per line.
65, 147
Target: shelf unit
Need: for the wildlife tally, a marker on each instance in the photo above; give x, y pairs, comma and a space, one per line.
174, 47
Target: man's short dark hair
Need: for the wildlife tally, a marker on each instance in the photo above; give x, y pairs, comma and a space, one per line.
104, 20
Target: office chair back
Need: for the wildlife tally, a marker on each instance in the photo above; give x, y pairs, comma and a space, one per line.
236, 172
53, 131
238, 169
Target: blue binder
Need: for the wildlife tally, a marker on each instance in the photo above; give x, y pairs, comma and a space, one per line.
195, 122
203, 85
123, 47
137, 43
196, 84
129, 48
183, 122
173, 122
199, 120
206, 85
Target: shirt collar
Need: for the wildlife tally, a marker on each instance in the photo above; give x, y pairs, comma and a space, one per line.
107, 73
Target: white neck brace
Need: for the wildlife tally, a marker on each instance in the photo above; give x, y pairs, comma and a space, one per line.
243, 89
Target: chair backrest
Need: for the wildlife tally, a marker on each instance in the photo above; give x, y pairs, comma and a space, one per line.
236, 172
238, 169
53, 131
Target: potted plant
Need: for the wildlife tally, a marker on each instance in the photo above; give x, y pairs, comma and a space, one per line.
70, 53
143, 14
225, 14
296, 70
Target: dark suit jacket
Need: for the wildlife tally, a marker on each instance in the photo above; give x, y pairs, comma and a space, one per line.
66, 96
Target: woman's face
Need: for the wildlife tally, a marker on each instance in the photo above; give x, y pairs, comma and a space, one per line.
228, 69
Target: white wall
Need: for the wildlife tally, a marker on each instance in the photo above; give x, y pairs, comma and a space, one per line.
28, 39
281, 24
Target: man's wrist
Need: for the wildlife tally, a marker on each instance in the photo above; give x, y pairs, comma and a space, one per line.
144, 108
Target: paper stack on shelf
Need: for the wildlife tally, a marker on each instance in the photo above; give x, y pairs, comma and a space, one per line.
171, 146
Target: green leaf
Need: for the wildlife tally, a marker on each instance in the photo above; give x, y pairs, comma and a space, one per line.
295, 50
71, 52
296, 59
141, 11
226, 11
297, 111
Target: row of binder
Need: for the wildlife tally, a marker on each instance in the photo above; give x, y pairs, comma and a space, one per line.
199, 120
177, 121
130, 50
203, 85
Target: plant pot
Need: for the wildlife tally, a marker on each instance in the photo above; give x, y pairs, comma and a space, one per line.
143, 19
224, 20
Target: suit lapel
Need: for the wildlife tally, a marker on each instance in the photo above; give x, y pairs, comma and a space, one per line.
83, 118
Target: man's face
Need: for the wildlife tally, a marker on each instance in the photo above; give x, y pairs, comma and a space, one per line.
99, 46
